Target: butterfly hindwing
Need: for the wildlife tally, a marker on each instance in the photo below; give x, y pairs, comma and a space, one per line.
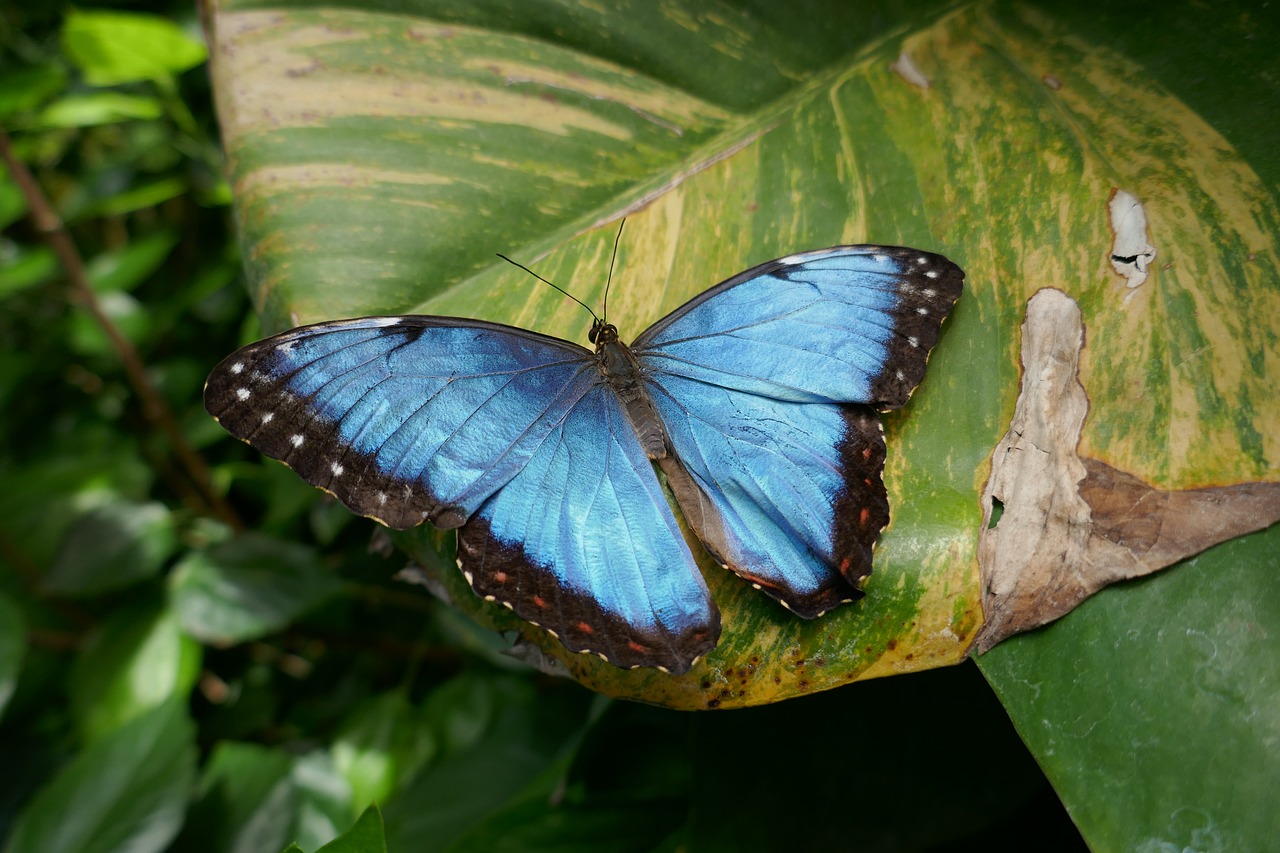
583, 543
767, 384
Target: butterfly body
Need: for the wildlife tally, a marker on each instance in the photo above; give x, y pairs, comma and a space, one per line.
756, 399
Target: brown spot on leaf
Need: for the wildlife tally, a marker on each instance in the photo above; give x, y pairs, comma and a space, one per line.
1072, 525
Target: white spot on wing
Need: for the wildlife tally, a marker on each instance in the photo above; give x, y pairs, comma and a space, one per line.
237, 368
914, 341
931, 274
922, 311
296, 439
336, 469
268, 417
242, 393
385, 321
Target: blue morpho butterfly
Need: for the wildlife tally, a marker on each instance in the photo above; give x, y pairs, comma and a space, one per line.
756, 398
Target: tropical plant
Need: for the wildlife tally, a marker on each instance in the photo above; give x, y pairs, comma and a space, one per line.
199, 652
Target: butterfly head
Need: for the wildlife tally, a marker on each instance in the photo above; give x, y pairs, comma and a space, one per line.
602, 333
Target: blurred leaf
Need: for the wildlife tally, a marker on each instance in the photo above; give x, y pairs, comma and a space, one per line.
12, 205
127, 267
88, 468
248, 587
99, 108
127, 791
25, 89
112, 546
22, 267
382, 744
122, 47
86, 337
461, 710
135, 661
245, 800
13, 647
619, 828
324, 799
527, 736
366, 836
139, 196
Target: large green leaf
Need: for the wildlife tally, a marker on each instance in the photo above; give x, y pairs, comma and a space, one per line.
380, 157
353, 204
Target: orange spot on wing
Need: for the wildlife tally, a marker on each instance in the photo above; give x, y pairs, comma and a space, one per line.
585, 628
864, 515
539, 601
500, 577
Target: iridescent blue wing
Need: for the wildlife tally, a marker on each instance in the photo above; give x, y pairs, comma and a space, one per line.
507, 434
767, 386
583, 543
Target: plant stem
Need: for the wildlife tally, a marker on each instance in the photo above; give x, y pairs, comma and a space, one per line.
154, 408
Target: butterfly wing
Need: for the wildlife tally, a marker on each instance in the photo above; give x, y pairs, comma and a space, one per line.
583, 543
508, 434
404, 419
767, 385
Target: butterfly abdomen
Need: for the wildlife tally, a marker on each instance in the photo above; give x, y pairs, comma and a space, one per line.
622, 372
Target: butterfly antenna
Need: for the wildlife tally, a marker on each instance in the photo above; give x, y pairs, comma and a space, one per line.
616, 240
544, 281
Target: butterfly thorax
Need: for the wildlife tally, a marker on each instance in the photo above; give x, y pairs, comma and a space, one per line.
621, 371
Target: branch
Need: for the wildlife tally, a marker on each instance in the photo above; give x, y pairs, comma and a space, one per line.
154, 409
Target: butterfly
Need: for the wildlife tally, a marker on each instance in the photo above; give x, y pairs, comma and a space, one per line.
757, 400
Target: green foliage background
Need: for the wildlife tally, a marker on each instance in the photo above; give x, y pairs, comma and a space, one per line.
171, 681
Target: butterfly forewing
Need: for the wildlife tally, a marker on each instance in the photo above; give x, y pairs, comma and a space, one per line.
850, 324
404, 419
